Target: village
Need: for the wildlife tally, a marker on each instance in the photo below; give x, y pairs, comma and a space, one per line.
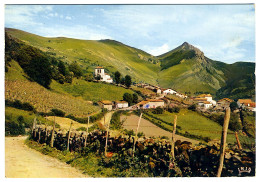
160, 98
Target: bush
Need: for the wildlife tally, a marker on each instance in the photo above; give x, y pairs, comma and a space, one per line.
192, 107
115, 122
234, 123
129, 132
15, 128
75, 68
158, 110
19, 105
58, 112
140, 134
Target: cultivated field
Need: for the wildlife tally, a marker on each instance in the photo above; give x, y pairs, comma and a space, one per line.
44, 100
196, 124
90, 90
149, 129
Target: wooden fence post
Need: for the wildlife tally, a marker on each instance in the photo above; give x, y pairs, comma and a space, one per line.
68, 143
137, 132
238, 142
39, 138
223, 141
173, 135
34, 127
52, 134
85, 142
107, 139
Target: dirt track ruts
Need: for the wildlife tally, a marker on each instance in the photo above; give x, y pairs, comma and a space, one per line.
24, 162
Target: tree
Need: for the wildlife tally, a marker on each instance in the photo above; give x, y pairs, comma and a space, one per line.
233, 106
122, 81
75, 68
89, 77
135, 98
128, 81
117, 77
62, 68
128, 98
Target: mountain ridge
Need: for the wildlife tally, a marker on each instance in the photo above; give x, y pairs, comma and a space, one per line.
184, 68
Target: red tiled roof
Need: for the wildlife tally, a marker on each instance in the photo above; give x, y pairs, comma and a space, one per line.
204, 95
106, 102
121, 101
200, 99
244, 101
206, 102
99, 67
252, 104
155, 100
226, 99
143, 102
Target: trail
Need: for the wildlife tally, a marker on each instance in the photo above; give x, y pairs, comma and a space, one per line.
23, 162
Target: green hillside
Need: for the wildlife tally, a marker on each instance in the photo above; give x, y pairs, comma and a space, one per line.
185, 68
114, 56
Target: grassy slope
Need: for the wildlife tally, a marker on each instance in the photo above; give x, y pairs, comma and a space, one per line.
196, 124
11, 114
180, 70
110, 54
190, 76
240, 82
90, 90
18, 87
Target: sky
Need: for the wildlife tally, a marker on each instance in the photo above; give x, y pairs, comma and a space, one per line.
223, 32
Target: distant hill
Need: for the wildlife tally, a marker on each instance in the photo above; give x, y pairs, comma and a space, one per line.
184, 68
113, 55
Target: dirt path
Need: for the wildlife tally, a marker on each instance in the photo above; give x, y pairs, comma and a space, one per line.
23, 162
149, 129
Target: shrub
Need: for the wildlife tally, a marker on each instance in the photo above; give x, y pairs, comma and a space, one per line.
192, 107
115, 122
140, 134
158, 110
58, 112
19, 105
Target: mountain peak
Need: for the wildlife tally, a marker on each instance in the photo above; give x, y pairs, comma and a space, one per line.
186, 46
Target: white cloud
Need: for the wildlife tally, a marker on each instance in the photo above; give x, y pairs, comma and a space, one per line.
156, 51
78, 32
68, 18
22, 15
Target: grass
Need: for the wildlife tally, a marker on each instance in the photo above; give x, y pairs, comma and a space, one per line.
114, 56
182, 70
196, 124
91, 90
144, 91
18, 87
190, 76
44, 100
179, 99
11, 114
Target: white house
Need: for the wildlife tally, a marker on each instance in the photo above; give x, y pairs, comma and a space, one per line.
150, 103
159, 91
103, 76
121, 104
106, 104
207, 104
168, 91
